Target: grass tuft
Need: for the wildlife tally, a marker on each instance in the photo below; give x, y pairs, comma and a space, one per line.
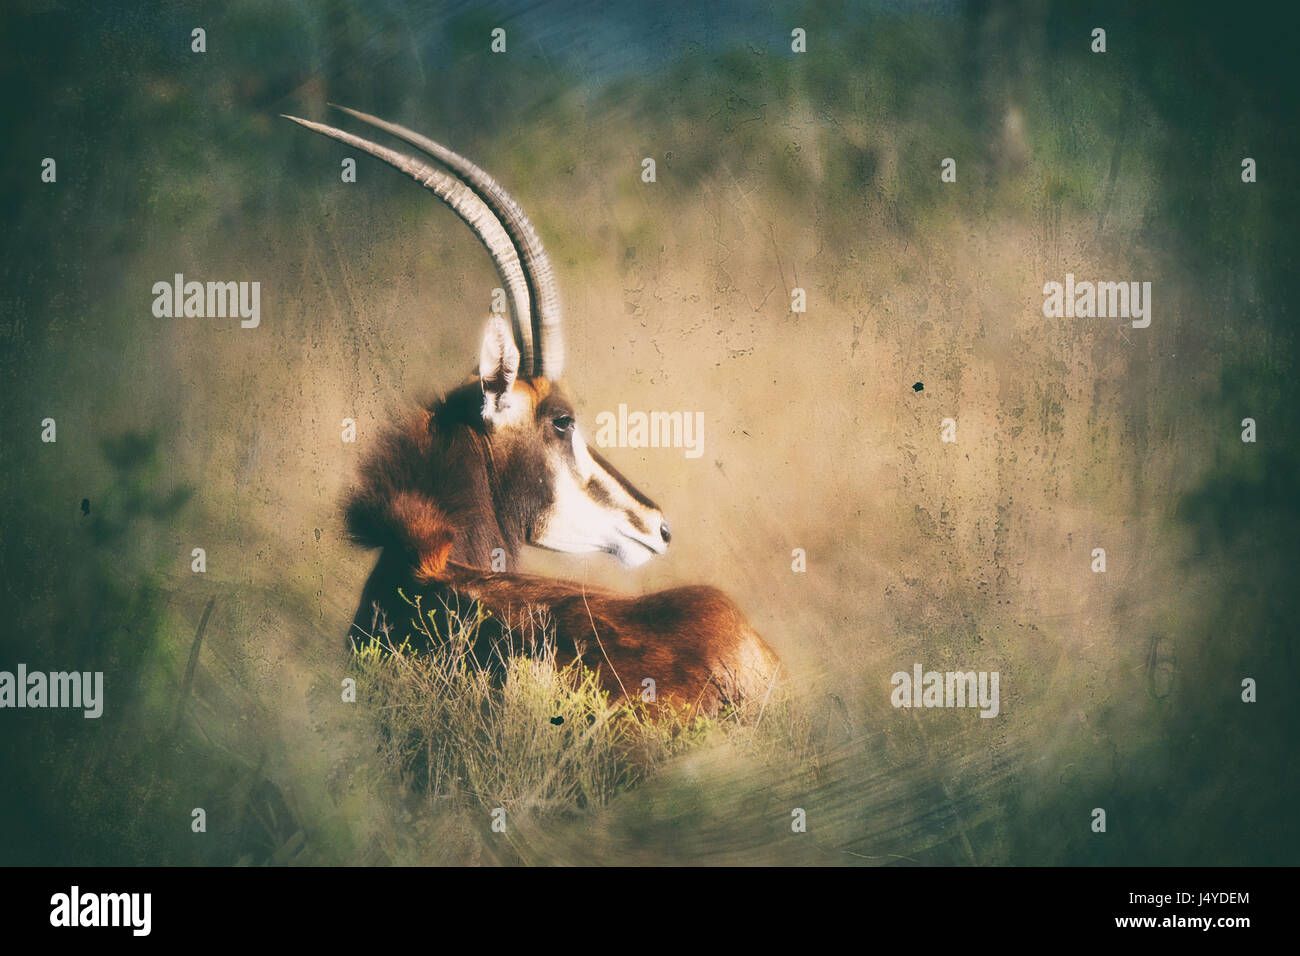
520, 731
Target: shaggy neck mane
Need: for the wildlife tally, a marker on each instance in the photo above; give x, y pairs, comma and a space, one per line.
426, 495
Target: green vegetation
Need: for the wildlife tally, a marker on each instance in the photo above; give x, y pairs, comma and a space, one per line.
518, 732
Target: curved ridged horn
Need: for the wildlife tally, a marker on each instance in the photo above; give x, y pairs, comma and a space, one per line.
537, 267
476, 213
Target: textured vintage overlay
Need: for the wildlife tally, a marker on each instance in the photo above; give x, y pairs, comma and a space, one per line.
838, 266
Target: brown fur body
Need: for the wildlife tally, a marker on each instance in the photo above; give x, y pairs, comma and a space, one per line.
444, 491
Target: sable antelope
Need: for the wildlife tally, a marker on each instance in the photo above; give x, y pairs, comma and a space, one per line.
500, 462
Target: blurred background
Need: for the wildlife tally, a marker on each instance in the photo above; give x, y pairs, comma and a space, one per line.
775, 170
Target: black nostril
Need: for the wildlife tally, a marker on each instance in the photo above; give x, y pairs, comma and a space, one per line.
664, 532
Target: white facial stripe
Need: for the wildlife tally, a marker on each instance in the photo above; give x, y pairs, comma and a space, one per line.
575, 522
619, 498
586, 464
578, 523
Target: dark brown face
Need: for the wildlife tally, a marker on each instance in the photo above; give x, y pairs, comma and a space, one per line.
572, 500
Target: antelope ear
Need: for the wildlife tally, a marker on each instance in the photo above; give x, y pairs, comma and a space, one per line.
498, 364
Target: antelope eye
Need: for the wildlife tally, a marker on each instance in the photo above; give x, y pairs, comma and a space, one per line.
562, 423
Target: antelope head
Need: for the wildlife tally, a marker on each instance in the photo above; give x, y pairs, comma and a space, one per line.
546, 486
